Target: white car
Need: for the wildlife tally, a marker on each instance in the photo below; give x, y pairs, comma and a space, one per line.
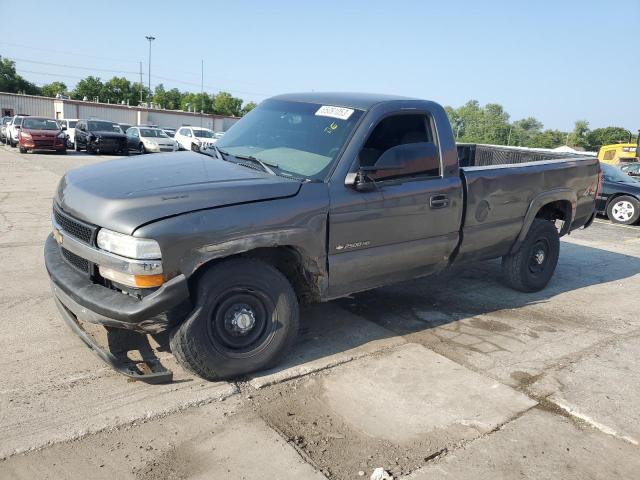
13, 130
70, 124
195, 138
150, 140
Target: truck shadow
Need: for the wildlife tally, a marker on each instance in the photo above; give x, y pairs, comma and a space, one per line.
339, 328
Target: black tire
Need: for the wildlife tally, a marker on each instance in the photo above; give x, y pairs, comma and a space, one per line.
195, 147
22, 150
90, 150
624, 210
533, 265
63, 152
211, 344
141, 149
76, 146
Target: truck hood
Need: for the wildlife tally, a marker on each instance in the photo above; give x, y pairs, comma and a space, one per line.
124, 194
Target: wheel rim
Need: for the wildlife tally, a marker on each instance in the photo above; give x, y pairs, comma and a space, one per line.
539, 256
140, 148
623, 211
242, 321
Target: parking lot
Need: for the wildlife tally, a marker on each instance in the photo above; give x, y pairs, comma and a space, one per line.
455, 376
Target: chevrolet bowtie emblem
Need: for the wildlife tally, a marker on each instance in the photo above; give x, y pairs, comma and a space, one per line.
58, 236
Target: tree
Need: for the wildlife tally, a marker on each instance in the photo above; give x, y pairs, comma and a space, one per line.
578, 138
524, 130
90, 87
226, 104
118, 90
248, 107
606, 136
11, 82
53, 89
547, 139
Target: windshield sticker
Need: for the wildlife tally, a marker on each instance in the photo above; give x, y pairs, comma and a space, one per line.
340, 113
329, 129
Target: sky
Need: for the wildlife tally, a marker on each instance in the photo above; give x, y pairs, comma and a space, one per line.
559, 61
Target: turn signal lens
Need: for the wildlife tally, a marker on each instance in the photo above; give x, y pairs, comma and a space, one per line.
139, 281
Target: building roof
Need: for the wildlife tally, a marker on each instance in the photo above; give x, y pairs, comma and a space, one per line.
360, 101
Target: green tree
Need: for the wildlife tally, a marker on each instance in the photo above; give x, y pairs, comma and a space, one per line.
606, 136
53, 89
547, 139
90, 87
578, 138
11, 82
118, 90
226, 104
524, 130
247, 107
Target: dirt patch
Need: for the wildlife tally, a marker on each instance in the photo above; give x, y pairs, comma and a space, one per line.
297, 411
490, 325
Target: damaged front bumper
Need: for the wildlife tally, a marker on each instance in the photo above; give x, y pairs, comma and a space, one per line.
80, 300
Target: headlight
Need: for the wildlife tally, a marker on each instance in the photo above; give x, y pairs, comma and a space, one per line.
128, 246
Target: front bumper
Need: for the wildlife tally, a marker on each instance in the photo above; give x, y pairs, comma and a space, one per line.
94, 303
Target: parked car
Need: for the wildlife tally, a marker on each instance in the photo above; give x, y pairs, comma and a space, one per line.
631, 169
308, 197
617, 153
146, 140
70, 129
620, 196
100, 136
218, 135
125, 127
171, 132
3, 129
39, 133
13, 129
195, 138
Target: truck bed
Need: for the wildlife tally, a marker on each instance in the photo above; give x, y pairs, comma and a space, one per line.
501, 185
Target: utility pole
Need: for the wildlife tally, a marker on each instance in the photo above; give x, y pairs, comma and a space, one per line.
201, 90
151, 39
141, 87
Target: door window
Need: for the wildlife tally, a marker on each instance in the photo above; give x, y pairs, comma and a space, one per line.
402, 146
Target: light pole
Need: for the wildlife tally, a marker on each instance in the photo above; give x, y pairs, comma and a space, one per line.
151, 39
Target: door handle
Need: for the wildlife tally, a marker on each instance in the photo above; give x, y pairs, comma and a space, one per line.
439, 201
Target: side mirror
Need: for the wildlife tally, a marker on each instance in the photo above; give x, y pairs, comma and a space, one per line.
63, 128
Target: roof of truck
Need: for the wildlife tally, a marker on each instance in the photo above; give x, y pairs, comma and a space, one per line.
360, 101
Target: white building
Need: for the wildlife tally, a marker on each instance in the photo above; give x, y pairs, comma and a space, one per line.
13, 104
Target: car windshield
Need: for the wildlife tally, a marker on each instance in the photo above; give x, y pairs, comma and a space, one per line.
152, 132
6, 121
40, 124
98, 126
203, 133
614, 174
303, 139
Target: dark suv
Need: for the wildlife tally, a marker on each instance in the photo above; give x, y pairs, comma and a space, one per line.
100, 136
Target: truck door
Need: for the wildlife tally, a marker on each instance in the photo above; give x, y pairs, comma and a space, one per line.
403, 220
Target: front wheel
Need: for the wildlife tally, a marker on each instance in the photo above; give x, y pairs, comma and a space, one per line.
245, 319
533, 265
624, 210
23, 150
141, 149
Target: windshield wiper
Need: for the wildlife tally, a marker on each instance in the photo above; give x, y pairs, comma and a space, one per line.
267, 167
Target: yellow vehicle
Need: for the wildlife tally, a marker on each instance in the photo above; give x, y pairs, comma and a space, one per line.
620, 152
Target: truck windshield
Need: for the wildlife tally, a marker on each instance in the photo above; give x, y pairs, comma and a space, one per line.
299, 138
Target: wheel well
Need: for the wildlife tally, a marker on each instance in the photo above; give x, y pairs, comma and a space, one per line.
304, 275
558, 210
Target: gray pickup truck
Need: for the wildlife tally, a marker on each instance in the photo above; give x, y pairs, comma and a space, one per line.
308, 198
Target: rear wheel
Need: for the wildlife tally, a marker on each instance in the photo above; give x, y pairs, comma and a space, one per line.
245, 319
533, 265
624, 210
